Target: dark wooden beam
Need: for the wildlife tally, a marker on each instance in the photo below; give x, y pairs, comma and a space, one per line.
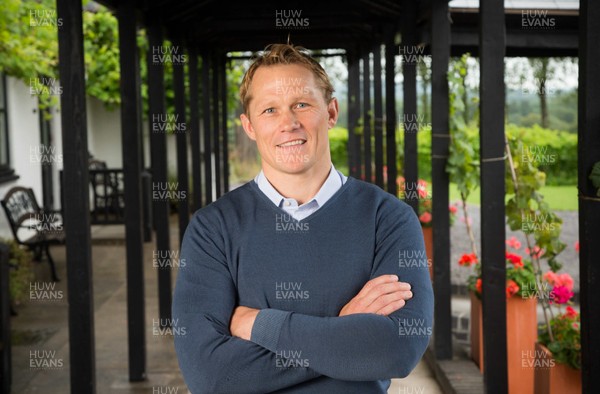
367, 113
207, 127
183, 207
493, 266
194, 128
390, 111
132, 166
224, 112
440, 56
353, 113
589, 201
216, 130
82, 350
158, 154
410, 124
378, 115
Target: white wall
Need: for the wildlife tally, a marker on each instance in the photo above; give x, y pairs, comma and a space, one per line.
23, 135
104, 133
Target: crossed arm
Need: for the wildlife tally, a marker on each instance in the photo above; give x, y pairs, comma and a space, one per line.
382, 296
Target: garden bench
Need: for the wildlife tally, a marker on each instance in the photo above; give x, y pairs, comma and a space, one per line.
32, 226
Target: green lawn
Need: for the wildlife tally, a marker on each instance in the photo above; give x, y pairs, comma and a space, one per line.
558, 197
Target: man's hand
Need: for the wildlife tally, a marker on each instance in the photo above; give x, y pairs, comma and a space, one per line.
382, 295
242, 321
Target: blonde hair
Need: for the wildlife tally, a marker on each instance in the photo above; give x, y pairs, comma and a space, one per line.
283, 54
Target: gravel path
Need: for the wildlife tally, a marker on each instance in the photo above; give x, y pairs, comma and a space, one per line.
459, 243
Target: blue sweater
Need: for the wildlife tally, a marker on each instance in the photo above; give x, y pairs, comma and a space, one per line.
243, 250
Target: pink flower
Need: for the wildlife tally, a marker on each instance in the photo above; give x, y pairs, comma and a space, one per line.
453, 209
422, 188
537, 251
425, 217
563, 280
514, 243
566, 281
551, 277
560, 295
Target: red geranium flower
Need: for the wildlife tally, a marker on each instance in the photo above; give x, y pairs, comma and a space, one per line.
515, 259
571, 313
453, 209
467, 260
511, 288
478, 286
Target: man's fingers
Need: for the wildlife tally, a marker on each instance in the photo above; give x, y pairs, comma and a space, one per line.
391, 308
387, 299
377, 281
383, 289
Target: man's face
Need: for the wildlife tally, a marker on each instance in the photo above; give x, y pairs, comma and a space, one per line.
288, 118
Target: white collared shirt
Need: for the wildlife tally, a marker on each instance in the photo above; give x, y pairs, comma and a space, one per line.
332, 184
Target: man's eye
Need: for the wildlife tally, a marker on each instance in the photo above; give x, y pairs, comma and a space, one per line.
269, 111
302, 105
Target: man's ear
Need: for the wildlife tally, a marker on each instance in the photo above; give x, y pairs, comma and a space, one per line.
247, 125
333, 110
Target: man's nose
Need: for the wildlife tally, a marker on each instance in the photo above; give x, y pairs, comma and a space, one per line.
289, 121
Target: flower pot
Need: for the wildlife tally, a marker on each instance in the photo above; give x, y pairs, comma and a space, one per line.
552, 377
428, 237
521, 336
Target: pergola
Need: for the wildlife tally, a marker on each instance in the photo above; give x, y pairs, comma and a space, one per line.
209, 30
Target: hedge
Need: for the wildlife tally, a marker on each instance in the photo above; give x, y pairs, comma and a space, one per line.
554, 151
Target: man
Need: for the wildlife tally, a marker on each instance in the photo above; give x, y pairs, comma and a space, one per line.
292, 281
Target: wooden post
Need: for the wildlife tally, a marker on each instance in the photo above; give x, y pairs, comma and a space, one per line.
194, 128
158, 155
183, 207
589, 201
366, 60
216, 129
82, 350
353, 113
492, 47
132, 165
224, 111
390, 111
440, 55
408, 49
207, 128
378, 114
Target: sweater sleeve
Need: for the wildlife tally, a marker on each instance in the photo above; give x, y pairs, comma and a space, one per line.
211, 360
365, 346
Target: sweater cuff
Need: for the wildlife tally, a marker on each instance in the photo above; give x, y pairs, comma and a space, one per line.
267, 328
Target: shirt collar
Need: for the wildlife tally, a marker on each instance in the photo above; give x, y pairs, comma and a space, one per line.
331, 185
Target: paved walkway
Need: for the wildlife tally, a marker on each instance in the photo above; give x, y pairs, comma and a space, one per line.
41, 337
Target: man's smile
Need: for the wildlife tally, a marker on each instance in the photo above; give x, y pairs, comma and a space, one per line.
291, 143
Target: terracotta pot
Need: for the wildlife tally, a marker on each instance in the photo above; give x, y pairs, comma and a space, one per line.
428, 237
521, 336
552, 377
